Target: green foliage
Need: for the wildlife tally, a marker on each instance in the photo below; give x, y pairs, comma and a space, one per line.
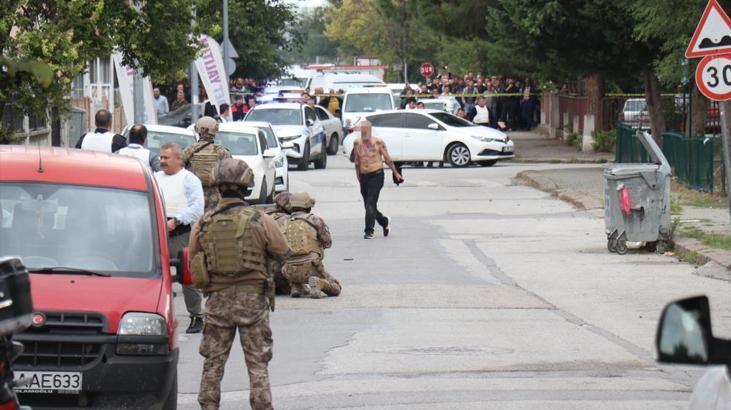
574, 140
710, 239
309, 26
604, 141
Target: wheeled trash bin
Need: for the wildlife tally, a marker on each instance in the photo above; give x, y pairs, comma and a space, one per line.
637, 201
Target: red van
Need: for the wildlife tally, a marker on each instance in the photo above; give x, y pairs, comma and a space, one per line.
90, 227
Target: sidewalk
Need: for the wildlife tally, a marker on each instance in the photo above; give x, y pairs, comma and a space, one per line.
533, 147
703, 234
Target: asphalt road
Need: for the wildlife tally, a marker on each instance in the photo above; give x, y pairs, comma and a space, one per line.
487, 295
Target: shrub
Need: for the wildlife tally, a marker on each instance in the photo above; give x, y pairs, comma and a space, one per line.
574, 140
604, 141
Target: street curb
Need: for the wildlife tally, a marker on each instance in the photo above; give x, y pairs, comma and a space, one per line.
559, 161
577, 199
686, 249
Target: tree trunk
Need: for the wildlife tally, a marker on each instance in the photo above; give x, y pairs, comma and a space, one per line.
698, 113
654, 108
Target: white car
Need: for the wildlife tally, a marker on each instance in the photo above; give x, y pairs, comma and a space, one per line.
441, 103
396, 90
359, 102
333, 129
431, 135
250, 144
341, 81
281, 165
299, 130
159, 135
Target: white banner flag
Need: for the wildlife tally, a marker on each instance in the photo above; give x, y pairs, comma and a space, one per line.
211, 70
125, 77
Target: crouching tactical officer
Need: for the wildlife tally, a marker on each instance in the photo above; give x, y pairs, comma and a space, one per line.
308, 236
280, 213
203, 156
229, 248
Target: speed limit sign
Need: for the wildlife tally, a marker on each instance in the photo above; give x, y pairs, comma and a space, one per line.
713, 77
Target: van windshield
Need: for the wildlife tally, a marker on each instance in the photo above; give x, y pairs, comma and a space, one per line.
97, 229
368, 102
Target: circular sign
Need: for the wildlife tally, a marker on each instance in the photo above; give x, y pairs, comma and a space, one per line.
427, 70
713, 77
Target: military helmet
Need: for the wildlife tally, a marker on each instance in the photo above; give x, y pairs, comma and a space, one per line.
281, 200
301, 200
234, 171
206, 127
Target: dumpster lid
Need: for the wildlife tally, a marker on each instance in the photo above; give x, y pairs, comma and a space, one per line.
630, 169
653, 149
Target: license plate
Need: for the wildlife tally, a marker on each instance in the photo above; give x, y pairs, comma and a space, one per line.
49, 382
507, 149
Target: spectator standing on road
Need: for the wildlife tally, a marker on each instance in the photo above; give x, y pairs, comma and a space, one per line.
183, 195
225, 115
370, 154
179, 99
136, 148
239, 87
238, 110
250, 104
161, 102
469, 95
229, 249
460, 113
102, 139
208, 108
480, 114
203, 156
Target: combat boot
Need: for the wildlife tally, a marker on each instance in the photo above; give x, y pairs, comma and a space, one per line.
316, 285
299, 290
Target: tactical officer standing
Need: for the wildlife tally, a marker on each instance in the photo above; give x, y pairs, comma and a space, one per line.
202, 157
308, 236
229, 248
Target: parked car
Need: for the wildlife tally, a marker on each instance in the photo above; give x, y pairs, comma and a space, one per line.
333, 129
299, 130
104, 329
430, 135
685, 336
281, 166
159, 135
441, 103
250, 144
361, 101
396, 89
634, 113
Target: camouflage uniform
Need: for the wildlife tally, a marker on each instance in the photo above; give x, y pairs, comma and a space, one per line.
205, 147
236, 283
306, 272
280, 214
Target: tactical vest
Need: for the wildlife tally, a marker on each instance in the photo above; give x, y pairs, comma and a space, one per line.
202, 162
227, 240
302, 237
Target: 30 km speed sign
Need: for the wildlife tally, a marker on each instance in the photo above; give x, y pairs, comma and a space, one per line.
713, 77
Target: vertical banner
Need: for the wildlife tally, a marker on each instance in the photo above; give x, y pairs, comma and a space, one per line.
212, 72
125, 77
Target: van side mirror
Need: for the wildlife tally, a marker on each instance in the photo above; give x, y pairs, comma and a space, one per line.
310, 122
269, 153
182, 268
684, 335
433, 126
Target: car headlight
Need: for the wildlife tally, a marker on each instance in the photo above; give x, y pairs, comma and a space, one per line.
487, 139
142, 324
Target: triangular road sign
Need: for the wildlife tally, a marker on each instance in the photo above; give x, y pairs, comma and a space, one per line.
713, 34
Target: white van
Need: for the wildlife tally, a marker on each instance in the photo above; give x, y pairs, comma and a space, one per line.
335, 81
359, 102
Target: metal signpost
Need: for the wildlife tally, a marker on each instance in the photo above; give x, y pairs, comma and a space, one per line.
712, 41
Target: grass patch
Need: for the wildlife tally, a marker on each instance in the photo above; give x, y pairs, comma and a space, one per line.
574, 140
684, 196
675, 207
710, 239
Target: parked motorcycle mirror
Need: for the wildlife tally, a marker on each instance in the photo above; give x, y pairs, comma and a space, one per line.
685, 336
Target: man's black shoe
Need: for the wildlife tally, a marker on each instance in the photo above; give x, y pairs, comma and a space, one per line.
196, 325
387, 228
368, 236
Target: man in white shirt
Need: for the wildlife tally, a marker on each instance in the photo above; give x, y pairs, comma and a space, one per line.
161, 102
480, 114
183, 195
102, 139
137, 136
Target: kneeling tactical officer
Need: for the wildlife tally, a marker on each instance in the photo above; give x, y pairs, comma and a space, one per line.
280, 212
308, 236
229, 248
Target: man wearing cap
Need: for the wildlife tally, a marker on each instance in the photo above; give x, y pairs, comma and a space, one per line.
229, 249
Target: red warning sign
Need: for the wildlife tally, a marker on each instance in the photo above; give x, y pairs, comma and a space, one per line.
713, 34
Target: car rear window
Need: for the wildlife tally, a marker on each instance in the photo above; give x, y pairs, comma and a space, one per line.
155, 140
277, 116
451, 120
238, 143
368, 102
99, 229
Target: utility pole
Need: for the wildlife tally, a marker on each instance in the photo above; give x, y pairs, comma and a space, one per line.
193, 83
138, 98
725, 108
225, 36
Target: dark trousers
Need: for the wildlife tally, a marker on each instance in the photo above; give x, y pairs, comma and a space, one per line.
370, 188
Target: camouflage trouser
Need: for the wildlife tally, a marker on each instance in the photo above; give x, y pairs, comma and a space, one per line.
281, 283
236, 307
299, 269
211, 197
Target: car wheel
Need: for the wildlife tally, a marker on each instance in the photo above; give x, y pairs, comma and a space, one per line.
332, 147
322, 162
171, 402
458, 155
305, 158
488, 163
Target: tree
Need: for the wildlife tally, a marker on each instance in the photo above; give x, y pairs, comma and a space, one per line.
261, 31
65, 34
310, 27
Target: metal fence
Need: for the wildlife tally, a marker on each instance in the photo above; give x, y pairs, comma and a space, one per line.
692, 158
